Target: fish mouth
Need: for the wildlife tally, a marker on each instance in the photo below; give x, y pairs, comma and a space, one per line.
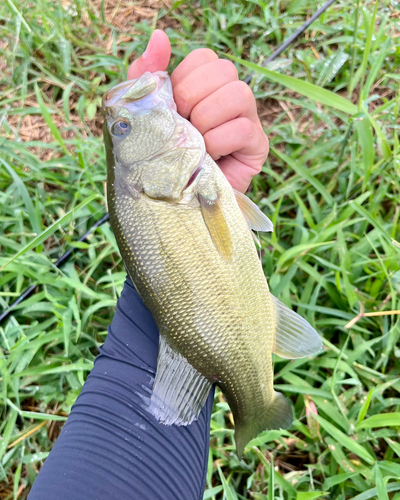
111, 96
132, 91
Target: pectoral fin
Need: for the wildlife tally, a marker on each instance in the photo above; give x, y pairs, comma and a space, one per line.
256, 220
179, 391
217, 226
295, 337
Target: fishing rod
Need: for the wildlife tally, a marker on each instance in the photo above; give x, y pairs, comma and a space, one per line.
59, 262
29, 291
293, 37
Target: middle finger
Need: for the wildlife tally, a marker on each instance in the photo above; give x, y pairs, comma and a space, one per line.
195, 59
202, 82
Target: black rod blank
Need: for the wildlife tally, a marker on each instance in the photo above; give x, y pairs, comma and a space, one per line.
293, 37
28, 292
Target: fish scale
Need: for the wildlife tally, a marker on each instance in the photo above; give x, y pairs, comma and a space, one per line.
188, 249
231, 298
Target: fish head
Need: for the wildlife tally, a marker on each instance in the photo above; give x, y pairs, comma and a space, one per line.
153, 148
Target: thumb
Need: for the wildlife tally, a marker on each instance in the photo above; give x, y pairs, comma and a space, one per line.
154, 58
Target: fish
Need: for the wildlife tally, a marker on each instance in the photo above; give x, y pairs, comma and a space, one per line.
186, 239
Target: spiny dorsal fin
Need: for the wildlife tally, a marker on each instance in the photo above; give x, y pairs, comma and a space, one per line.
294, 337
217, 226
179, 391
253, 215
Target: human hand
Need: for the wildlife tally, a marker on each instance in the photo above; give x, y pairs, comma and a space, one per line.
207, 92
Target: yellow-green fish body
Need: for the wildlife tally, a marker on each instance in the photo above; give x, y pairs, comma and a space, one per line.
190, 252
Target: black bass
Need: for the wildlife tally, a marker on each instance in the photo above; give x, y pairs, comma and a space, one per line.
186, 240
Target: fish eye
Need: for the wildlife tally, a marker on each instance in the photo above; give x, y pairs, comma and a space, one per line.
120, 128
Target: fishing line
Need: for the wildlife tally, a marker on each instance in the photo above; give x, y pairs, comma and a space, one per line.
66, 256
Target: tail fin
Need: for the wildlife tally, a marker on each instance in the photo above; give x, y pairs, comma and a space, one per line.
278, 416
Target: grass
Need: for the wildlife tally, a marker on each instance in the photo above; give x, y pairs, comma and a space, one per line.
330, 105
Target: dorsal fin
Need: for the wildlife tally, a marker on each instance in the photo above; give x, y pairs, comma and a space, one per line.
214, 218
253, 215
294, 337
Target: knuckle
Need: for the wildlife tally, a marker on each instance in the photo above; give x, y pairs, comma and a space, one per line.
242, 94
203, 54
211, 145
265, 146
182, 96
262, 150
228, 68
266, 142
258, 167
246, 127
244, 90
199, 115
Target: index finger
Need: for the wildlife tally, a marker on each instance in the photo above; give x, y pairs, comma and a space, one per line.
196, 58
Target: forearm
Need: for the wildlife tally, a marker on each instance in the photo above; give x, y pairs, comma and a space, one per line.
111, 447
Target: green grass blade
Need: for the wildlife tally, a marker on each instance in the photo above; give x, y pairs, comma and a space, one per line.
50, 123
380, 485
362, 211
271, 483
33, 217
36, 415
394, 445
373, 492
16, 481
228, 491
344, 440
310, 495
384, 143
14, 9
353, 48
366, 54
50, 230
366, 141
381, 420
304, 174
8, 432
304, 88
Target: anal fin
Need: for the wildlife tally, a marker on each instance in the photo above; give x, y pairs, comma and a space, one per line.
179, 391
294, 336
